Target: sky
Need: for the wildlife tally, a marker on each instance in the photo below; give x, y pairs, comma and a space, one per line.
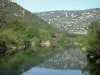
51, 5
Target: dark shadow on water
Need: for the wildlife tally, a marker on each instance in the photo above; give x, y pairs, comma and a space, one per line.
92, 68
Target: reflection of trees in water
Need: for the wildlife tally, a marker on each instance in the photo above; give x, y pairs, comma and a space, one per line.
92, 68
19, 65
71, 58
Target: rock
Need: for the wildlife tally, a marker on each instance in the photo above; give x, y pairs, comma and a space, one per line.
47, 43
84, 49
76, 43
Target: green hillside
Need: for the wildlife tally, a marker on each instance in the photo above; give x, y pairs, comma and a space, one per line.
12, 11
18, 25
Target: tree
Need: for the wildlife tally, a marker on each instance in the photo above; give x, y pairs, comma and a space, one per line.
93, 34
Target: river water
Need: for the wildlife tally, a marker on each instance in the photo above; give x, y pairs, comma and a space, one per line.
69, 61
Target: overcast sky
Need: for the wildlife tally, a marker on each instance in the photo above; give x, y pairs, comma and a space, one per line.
50, 5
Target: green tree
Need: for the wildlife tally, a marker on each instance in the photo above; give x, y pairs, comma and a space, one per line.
93, 33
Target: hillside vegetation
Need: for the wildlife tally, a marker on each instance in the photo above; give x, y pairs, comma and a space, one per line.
17, 26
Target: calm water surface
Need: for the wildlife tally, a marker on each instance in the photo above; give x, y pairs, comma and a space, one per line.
70, 61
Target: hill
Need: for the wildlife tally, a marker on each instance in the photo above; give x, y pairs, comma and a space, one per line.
18, 25
75, 21
12, 11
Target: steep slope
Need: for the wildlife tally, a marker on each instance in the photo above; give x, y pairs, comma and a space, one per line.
12, 11
20, 28
71, 21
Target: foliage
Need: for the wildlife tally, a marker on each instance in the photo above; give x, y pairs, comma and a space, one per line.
92, 38
15, 33
44, 34
9, 37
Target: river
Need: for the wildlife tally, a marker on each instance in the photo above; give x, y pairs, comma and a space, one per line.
69, 61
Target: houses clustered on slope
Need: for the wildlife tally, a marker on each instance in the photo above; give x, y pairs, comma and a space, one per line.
76, 21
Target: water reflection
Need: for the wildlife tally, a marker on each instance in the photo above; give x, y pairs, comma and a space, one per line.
72, 58
92, 68
67, 61
70, 61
